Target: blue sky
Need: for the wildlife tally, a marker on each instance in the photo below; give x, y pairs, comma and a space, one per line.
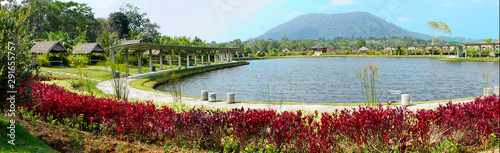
226, 20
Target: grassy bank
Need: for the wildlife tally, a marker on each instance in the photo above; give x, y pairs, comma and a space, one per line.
470, 59
24, 141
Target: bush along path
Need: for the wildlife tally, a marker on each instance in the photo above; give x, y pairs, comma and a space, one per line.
453, 127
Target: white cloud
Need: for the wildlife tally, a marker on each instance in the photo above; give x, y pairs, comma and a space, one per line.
343, 2
404, 19
323, 7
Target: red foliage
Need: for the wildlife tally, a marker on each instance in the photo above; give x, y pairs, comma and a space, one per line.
365, 127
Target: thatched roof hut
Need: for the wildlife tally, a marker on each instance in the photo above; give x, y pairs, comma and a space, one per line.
285, 50
318, 46
363, 49
88, 48
46, 47
261, 53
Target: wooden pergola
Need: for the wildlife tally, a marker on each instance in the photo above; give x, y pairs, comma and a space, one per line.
457, 45
222, 54
47, 47
88, 49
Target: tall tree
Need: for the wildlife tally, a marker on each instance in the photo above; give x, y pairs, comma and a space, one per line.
436, 28
140, 22
361, 43
119, 23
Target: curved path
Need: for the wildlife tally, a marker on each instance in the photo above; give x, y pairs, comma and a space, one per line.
160, 98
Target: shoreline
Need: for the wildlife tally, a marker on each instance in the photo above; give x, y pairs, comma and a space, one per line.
440, 57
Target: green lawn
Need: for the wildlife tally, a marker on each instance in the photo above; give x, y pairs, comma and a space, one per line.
25, 142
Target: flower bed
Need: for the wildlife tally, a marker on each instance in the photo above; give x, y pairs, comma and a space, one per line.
468, 125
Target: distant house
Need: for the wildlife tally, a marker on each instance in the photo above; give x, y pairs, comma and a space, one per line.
285, 50
319, 49
261, 53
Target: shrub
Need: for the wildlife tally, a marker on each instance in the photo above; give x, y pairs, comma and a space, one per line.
364, 129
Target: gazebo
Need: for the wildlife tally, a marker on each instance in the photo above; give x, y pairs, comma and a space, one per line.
47, 47
89, 49
319, 49
363, 49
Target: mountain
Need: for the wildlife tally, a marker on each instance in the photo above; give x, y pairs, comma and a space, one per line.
345, 25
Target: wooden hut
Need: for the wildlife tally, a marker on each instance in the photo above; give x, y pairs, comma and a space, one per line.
261, 53
319, 49
363, 49
285, 50
49, 47
89, 49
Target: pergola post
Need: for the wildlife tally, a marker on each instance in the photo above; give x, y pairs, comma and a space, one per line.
126, 60
150, 60
202, 54
390, 50
179, 56
407, 50
161, 59
480, 51
415, 50
187, 59
112, 56
139, 59
465, 50
432, 50
170, 58
208, 57
441, 51
215, 57
195, 58
449, 50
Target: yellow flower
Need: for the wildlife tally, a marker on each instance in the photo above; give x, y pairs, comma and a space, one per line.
231, 139
92, 140
493, 135
194, 141
246, 148
267, 146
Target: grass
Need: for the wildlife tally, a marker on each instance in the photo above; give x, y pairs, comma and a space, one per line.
25, 142
470, 59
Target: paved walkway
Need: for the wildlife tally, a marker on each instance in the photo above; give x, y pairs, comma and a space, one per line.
159, 98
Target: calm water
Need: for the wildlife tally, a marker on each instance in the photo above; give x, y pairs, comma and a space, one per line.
332, 80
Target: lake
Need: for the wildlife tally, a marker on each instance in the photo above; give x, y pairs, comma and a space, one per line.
333, 80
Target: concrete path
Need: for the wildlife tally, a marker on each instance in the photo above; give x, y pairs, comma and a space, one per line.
160, 98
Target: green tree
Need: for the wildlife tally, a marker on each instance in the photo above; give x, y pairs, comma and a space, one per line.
108, 39
436, 28
361, 43
487, 40
119, 23
140, 22
14, 47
